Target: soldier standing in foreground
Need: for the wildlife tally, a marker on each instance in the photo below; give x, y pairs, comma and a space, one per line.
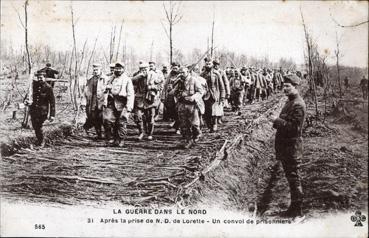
95, 99
189, 92
42, 103
120, 101
288, 142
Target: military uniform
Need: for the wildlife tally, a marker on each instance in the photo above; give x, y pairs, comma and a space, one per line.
288, 146
95, 99
213, 98
237, 91
120, 102
364, 87
43, 103
189, 92
170, 110
147, 88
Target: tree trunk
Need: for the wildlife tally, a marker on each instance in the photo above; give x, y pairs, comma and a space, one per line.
26, 35
170, 44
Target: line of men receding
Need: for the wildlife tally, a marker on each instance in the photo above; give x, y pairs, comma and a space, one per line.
188, 95
191, 98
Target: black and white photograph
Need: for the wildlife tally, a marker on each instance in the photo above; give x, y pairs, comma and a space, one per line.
184, 118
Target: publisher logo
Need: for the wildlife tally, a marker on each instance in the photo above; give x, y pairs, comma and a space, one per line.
358, 218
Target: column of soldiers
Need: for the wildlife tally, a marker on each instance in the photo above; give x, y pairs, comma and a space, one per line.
191, 99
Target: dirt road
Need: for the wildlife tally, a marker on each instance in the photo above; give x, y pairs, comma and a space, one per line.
80, 169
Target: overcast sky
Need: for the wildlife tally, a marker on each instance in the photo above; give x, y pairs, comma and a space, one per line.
255, 28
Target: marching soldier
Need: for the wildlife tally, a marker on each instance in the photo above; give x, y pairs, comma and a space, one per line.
225, 80
214, 97
120, 101
189, 92
42, 104
288, 141
147, 87
95, 99
237, 91
170, 111
364, 87
160, 82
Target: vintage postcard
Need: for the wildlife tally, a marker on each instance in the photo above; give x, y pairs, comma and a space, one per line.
184, 119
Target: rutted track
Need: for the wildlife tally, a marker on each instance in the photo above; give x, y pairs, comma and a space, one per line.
79, 169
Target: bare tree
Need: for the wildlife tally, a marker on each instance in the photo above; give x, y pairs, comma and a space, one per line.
120, 34
212, 36
173, 15
309, 44
25, 27
337, 54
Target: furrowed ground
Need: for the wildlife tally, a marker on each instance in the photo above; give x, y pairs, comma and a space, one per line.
234, 168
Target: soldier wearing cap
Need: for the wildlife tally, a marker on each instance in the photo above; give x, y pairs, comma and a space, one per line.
216, 64
119, 103
95, 99
42, 104
147, 86
214, 97
288, 141
164, 70
159, 79
189, 91
50, 73
170, 111
111, 68
237, 83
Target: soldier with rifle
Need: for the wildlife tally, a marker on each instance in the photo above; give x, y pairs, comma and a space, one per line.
41, 102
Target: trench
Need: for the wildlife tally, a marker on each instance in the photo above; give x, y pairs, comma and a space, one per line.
78, 170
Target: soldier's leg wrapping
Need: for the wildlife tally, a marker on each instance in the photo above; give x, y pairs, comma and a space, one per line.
239, 99
89, 123
121, 124
109, 121
291, 163
139, 119
195, 123
208, 112
150, 117
184, 124
98, 121
37, 121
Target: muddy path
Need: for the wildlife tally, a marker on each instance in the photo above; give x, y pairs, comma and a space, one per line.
79, 169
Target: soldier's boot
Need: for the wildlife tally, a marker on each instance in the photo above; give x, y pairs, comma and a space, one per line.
86, 130
39, 136
220, 122
99, 134
295, 209
150, 131
215, 125
140, 131
196, 134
